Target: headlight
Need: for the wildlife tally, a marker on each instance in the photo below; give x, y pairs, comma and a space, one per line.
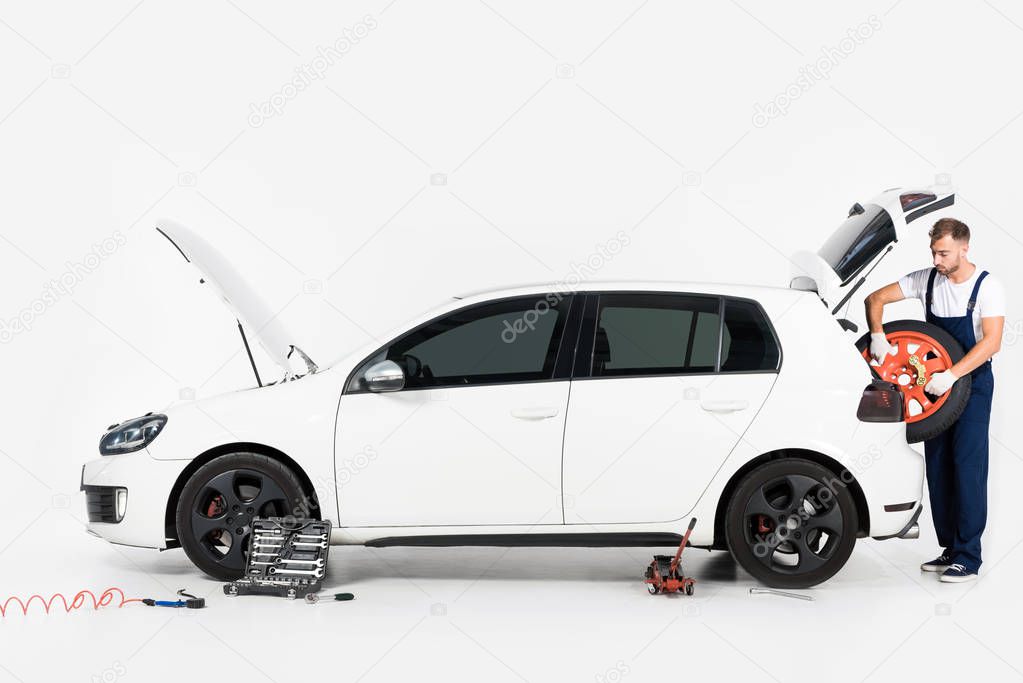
132, 435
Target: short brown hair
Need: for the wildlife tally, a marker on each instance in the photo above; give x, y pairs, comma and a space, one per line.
950, 226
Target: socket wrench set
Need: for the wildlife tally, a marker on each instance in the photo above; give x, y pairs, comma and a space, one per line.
288, 560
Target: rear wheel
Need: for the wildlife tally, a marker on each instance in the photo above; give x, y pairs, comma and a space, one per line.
791, 523
218, 503
921, 351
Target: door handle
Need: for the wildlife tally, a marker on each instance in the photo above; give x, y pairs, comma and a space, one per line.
535, 412
726, 406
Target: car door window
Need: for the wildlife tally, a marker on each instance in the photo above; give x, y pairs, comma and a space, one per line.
747, 342
514, 340
654, 334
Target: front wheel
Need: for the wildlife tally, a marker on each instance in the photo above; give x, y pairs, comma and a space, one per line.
791, 523
218, 503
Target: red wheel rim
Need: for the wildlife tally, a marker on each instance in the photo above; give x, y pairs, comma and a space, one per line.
904, 373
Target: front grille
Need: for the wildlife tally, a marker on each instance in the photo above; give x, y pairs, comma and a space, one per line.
101, 503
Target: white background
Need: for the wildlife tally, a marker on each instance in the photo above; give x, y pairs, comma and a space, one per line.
553, 127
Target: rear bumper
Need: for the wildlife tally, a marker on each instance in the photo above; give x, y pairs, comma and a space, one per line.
146, 483
910, 531
890, 473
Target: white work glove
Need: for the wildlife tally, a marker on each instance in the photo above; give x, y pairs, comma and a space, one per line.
940, 383
879, 346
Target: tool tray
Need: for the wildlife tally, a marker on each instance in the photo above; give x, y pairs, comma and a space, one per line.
285, 559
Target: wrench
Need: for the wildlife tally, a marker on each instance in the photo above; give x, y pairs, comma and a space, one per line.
300, 544
772, 591
285, 560
312, 537
303, 572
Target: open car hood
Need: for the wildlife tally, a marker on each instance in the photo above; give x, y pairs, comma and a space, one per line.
245, 305
846, 258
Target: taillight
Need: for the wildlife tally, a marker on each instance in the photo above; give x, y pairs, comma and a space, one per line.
911, 200
881, 402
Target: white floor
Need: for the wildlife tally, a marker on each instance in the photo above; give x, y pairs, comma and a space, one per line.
505, 614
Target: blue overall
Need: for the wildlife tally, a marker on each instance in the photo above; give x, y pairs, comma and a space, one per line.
957, 459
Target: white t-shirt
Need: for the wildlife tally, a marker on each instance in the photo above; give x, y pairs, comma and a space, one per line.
950, 299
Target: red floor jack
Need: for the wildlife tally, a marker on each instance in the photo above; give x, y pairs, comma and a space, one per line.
664, 575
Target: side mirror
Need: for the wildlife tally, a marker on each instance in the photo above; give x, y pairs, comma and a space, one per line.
384, 376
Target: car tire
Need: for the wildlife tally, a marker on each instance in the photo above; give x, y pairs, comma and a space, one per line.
214, 512
944, 411
791, 523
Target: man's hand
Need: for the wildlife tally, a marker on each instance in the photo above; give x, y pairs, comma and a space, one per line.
879, 346
940, 383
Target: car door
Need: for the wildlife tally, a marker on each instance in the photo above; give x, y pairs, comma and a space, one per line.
666, 388
475, 435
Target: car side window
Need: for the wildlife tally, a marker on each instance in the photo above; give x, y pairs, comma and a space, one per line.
652, 334
513, 340
747, 343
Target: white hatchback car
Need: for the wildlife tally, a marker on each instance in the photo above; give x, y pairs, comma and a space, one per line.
604, 416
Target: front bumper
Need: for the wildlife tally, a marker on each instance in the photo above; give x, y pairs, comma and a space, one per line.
106, 504
147, 484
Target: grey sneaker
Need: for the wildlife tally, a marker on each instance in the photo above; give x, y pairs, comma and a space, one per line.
938, 564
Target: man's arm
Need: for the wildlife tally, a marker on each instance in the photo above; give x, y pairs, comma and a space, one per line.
981, 351
875, 304
988, 346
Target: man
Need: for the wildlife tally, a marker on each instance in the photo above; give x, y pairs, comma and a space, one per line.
969, 304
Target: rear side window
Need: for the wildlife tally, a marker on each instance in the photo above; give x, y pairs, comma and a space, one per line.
747, 342
651, 334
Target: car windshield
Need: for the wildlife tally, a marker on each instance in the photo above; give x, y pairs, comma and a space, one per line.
859, 239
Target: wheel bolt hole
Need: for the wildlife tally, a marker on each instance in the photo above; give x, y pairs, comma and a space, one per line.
229, 520
249, 510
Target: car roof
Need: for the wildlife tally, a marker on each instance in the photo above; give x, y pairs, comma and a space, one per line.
629, 285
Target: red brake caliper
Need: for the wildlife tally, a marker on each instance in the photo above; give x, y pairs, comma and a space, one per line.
214, 507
